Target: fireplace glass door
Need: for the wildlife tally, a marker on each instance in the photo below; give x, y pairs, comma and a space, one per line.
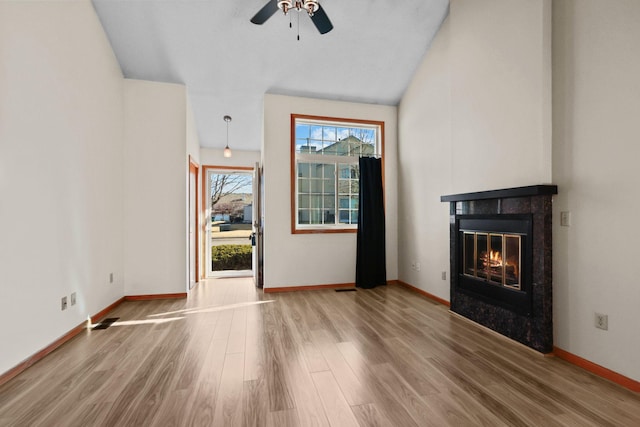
493, 257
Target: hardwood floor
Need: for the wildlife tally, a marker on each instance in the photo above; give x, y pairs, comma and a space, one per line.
230, 355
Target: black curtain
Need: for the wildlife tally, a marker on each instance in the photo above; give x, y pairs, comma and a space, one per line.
371, 268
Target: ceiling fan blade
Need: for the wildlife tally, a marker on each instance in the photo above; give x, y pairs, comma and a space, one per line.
321, 21
266, 12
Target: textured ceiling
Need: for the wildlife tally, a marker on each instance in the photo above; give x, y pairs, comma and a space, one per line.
228, 63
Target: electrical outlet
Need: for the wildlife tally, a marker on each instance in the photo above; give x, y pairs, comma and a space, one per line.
73, 299
413, 265
444, 275
602, 321
565, 219
63, 303
110, 277
417, 266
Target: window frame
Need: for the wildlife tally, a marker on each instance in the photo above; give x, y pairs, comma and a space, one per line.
323, 120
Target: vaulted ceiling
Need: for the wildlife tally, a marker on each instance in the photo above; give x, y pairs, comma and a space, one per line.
228, 64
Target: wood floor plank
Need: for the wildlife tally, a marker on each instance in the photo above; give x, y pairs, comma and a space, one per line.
287, 418
408, 397
280, 395
313, 357
228, 410
230, 354
254, 356
238, 332
352, 388
368, 415
255, 406
334, 402
384, 401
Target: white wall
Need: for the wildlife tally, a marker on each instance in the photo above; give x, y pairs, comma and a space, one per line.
192, 138
61, 165
596, 106
156, 167
500, 55
316, 259
475, 117
424, 170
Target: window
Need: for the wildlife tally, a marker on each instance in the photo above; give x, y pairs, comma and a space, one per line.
324, 170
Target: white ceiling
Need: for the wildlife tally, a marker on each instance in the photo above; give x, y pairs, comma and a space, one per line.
228, 63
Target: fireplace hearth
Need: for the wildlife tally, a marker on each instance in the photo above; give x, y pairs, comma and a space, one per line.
500, 249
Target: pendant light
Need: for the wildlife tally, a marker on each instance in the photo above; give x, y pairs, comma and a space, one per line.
227, 150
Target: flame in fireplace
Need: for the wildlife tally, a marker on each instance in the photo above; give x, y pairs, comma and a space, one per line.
493, 260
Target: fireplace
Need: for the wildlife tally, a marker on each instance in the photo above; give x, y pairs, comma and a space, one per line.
501, 261
494, 259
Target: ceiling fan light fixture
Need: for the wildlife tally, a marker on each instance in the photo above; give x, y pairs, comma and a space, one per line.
311, 6
285, 5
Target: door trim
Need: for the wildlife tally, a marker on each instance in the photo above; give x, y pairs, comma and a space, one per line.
194, 169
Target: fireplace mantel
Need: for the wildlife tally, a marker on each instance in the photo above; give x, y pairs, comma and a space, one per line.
533, 327
506, 193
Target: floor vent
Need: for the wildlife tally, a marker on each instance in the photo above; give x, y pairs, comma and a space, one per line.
106, 323
346, 290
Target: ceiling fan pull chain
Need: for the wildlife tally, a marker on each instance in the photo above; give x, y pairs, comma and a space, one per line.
298, 27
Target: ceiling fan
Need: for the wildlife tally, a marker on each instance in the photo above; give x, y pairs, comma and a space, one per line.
312, 7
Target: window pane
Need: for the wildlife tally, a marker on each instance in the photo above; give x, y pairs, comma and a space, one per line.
330, 149
344, 216
315, 186
302, 130
305, 146
329, 133
315, 132
303, 185
330, 171
343, 186
303, 216
303, 170
316, 217
354, 217
315, 201
303, 201
316, 170
330, 186
343, 202
329, 202
329, 216
354, 202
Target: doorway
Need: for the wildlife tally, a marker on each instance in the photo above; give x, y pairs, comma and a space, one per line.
229, 217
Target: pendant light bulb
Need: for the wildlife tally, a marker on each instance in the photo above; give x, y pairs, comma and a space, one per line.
227, 150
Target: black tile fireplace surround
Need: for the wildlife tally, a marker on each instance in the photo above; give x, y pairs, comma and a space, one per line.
517, 307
